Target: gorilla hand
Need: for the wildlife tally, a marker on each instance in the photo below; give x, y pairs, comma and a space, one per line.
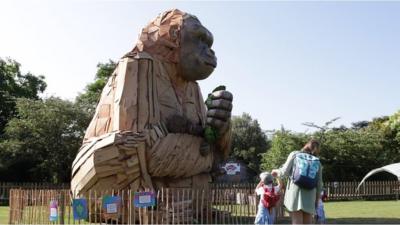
219, 105
180, 124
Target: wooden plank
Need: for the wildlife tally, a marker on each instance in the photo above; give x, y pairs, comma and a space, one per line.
249, 191
30, 196
84, 171
126, 100
235, 190
220, 203
106, 154
150, 92
184, 207
130, 151
157, 206
117, 94
143, 101
173, 192
105, 183
152, 215
140, 216
223, 195
41, 206
202, 207
134, 209
88, 149
197, 205
163, 203
133, 161
241, 208
102, 126
143, 165
83, 154
105, 168
176, 206
11, 205
130, 207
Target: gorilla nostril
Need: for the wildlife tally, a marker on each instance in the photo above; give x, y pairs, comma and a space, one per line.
212, 51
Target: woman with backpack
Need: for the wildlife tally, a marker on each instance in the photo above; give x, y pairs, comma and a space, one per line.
304, 186
269, 197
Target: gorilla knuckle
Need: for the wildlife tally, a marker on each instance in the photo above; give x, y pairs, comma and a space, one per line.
222, 95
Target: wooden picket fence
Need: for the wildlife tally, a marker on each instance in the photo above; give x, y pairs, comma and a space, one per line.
373, 190
5, 188
218, 204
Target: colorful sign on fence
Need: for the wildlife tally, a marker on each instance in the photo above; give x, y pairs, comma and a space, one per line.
232, 168
53, 211
80, 209
144, 199
111, 204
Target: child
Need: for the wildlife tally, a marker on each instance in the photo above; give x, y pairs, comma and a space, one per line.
320, 212
269, 195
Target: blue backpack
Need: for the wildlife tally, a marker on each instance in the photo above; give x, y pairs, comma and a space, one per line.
305, 169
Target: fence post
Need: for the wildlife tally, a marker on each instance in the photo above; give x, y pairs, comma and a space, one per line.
62, 206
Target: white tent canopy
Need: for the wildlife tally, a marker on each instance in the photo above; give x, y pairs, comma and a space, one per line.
391, 168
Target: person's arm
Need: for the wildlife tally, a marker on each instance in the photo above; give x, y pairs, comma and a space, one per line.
260, 184
280, 184
286, 168
258, 190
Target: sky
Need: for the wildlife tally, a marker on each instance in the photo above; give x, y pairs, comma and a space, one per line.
286, 63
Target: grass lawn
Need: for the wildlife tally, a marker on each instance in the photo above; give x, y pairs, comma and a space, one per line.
3, 214
346, 212
363, 212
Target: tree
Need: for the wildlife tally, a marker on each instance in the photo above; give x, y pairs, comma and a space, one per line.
91, 96
393, 124
248, 141
322, 129
349, 155
283, 142
42, 141
346, 154
13, 85
359, 125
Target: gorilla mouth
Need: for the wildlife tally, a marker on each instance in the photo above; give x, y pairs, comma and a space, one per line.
212, 64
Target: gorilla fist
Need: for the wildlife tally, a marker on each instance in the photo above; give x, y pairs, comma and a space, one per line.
219, 104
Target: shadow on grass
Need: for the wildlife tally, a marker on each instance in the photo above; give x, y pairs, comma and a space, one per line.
364, 220
287, 220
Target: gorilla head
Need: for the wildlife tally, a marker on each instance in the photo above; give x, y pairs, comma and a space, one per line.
179, 38
197, 59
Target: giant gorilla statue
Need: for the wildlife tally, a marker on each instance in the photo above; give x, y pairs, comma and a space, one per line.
150, 126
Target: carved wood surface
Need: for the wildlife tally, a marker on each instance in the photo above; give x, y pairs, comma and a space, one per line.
127, 144
130, 122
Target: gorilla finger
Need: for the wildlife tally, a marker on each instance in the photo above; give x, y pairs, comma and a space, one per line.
222, 94
221, 104
218, 113
214, 122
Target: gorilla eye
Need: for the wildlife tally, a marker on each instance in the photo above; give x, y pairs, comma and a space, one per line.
206, 38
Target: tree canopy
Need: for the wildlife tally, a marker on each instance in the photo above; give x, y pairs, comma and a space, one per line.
15, 84
249, 141
42, 140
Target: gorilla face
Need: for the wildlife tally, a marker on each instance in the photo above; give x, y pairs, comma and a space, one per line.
197, 59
